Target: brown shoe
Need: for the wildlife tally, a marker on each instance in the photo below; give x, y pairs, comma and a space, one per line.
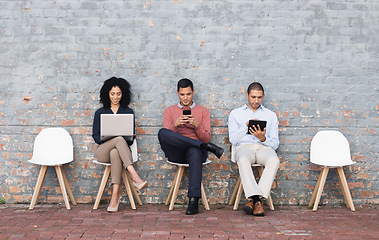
249, 207
258, 209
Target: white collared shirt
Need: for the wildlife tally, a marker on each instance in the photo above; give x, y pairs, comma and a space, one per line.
192, 106
238, 130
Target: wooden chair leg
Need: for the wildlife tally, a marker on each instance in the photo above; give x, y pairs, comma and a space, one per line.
172, 188
68, 188
235, 191
269, 199
323, 175
134, 191
345, 189
58, 169
43, 180
104, 181
342, 188
176, 187
238, 196
204, 199
314, 192
270, 203
38, 188
128, 189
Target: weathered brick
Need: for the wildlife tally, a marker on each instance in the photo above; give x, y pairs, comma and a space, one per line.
317, 61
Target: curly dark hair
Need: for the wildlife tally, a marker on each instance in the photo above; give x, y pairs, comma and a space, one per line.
113, 82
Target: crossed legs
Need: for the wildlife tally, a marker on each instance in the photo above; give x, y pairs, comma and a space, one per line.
181, 149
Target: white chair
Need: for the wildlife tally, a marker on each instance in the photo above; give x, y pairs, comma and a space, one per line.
53, 147
330, 149
176, 183
237, 192
130, 189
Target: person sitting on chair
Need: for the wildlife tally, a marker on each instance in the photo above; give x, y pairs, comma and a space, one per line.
255, 145
185, 138
115, 95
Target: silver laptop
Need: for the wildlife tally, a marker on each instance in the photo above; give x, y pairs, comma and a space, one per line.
113, 125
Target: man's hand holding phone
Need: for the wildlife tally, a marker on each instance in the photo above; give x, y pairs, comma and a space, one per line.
186, 118
192, 121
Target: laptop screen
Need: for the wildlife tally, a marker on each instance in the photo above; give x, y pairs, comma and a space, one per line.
113, 125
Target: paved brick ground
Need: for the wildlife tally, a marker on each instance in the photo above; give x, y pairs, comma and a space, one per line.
154, 221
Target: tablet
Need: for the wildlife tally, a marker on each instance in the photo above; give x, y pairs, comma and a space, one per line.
262, 124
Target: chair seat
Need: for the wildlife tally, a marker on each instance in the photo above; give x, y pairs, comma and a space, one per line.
176, 183
101, 163
186, 164
326, 165
36, 162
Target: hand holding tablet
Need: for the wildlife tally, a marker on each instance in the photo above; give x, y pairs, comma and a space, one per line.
256, 123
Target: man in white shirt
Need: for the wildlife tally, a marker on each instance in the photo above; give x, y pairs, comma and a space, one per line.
255, 145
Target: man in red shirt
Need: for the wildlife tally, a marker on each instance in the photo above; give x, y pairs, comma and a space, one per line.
185, 138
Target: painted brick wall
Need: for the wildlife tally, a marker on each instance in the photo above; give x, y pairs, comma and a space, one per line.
318, 61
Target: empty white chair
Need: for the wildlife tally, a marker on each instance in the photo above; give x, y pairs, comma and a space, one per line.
176, 183
53, 147
237, 192
130, 189
330, 149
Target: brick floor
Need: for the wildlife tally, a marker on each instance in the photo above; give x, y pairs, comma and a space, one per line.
154, 221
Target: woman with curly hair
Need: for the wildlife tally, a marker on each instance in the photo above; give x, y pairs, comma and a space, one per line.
115, 95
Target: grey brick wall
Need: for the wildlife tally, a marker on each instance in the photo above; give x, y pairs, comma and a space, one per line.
318, 61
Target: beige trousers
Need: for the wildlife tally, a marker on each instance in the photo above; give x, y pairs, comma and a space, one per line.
117, 152
248, 154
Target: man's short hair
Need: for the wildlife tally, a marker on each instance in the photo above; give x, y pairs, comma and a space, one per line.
185, 82
255, 86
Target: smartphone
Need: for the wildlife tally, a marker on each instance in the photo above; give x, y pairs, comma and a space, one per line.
262, 124
186, 112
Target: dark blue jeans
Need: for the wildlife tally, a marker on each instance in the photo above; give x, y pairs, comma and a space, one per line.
181, 149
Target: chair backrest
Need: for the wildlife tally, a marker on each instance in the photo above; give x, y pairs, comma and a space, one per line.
330, 148
134, 150
232, 153
52, 146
